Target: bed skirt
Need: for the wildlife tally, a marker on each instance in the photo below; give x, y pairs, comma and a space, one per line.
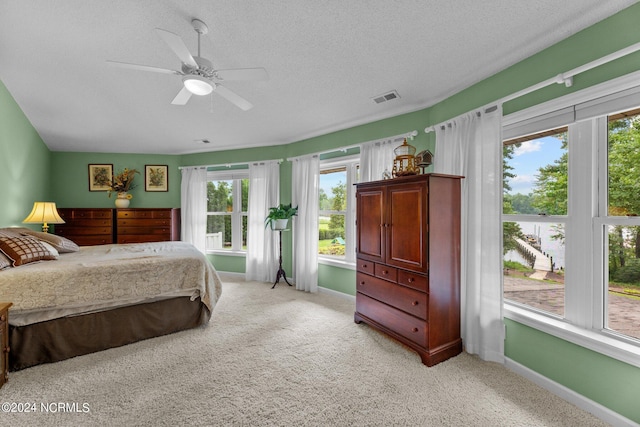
67, 337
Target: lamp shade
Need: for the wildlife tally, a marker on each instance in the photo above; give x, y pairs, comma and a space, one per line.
197, 85
43, 213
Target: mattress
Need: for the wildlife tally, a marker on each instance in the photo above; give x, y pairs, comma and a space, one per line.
103, 277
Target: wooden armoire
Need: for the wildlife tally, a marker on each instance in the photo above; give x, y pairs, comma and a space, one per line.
408, 262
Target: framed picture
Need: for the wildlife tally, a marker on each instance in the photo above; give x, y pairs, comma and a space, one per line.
100, 177
156, 178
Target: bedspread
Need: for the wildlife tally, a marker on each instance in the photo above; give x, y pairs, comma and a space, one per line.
100, 277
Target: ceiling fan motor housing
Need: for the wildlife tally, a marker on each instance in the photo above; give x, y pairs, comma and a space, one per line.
204, 69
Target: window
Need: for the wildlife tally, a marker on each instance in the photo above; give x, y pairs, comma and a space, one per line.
571, 230
336, 222
535, 172
622, 225
227, 202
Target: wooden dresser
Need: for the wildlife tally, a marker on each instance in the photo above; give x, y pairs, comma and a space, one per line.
86, 226
147, 225
4, 342
408, 262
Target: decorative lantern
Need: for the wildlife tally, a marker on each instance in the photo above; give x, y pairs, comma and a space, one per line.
405, 161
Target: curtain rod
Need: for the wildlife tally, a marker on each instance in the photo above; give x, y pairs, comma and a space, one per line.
412, 133
566, 78
228, 165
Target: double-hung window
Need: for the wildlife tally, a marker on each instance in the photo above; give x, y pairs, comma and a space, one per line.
227, 205
336, 222
571, 224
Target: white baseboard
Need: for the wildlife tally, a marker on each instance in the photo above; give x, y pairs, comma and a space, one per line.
232, 274
582, 402
337, 294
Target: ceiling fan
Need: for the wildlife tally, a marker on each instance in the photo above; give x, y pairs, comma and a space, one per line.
198, 75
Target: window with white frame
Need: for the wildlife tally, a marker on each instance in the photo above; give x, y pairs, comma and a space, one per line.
571, 230
336, 222
227, 206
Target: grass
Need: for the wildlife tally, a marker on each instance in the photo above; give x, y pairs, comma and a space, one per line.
514, 265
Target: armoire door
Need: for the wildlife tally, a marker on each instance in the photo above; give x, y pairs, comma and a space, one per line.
370, 219
406, 239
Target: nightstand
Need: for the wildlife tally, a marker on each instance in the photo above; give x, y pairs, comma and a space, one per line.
4, 342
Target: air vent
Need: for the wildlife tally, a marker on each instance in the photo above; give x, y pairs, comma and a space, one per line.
386, 97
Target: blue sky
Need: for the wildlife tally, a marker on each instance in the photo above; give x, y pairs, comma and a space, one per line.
331, 180
528, 158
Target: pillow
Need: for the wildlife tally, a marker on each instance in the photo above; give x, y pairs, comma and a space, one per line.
62, 244
4, 261
50, 248
13, 231
23, 250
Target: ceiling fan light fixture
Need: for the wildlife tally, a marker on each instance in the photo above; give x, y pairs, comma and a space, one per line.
197, 85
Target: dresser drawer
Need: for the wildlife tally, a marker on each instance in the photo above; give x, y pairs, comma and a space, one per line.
365, 266
82, 231
405, 299
412, 280
393, 319
87, 222
92, 240
144, 222
128, 231
143, 213
142, 238
85, 213
385, 272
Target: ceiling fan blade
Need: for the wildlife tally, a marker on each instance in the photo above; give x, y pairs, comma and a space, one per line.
182, 97
143, 67
177, 45
242, 74
233, 97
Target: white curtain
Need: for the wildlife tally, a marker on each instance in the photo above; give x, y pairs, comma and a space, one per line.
264, 192
471, 145
305, 194
375, 158
193, 202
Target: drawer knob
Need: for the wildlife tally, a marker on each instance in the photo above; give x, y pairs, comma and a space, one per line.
362, 283
415, 329
414, 303
385, 272
411, 280
364, 266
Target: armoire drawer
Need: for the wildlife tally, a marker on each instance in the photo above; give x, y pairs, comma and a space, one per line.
385, 272
413, 280
403, 298
393, 319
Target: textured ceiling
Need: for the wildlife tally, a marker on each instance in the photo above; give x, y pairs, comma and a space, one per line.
326, 59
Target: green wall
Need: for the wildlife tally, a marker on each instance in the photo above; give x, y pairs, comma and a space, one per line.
607, 381
611, 383
70, 180
24, 163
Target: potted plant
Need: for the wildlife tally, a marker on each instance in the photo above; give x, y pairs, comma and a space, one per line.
279, 216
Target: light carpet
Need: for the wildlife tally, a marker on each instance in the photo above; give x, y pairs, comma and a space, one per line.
279, 357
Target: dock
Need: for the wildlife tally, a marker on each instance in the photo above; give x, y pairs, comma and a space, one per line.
540, 261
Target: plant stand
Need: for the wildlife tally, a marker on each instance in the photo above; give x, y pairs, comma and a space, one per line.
281, 272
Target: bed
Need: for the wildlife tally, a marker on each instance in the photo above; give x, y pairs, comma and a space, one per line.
70, 300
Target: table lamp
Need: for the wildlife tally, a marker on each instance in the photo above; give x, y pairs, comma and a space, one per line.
44, 213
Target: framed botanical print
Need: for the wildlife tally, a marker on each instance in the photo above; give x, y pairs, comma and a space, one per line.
156, 178
100, 177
